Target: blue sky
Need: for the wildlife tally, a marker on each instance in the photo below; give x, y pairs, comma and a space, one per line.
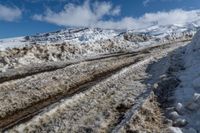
27, 17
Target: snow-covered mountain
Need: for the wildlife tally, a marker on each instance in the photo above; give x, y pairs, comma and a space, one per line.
152, 34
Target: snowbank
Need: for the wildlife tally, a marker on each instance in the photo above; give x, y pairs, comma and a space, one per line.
195, 44
188, 92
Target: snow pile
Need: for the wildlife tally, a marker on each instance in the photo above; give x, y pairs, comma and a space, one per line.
195, 45
187, 94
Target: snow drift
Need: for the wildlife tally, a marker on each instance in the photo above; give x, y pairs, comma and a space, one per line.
187, 94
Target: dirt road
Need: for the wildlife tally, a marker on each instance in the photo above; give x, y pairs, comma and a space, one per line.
111, 93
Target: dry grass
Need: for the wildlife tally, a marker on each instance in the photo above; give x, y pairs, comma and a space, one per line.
149, 119
23, 93
17, 57
96, 110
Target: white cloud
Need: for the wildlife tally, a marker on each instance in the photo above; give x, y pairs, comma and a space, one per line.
79, 15
92, 15
9, 13
177, 16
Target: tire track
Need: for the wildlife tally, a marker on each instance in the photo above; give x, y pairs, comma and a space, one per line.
35, 108
93, 91
25, 71
22, 72
26, 114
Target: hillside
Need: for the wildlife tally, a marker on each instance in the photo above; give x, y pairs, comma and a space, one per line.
70, 44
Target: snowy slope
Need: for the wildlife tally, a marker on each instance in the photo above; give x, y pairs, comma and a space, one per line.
187, 94
79, 35
81, 43
12, 42
169, 32
151, 35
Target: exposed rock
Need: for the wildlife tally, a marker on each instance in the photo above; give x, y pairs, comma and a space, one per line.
168, 122
180, 122
179, 108
194, 104
133, 37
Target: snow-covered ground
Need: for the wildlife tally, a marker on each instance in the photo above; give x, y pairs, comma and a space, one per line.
12, 43
187, 94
